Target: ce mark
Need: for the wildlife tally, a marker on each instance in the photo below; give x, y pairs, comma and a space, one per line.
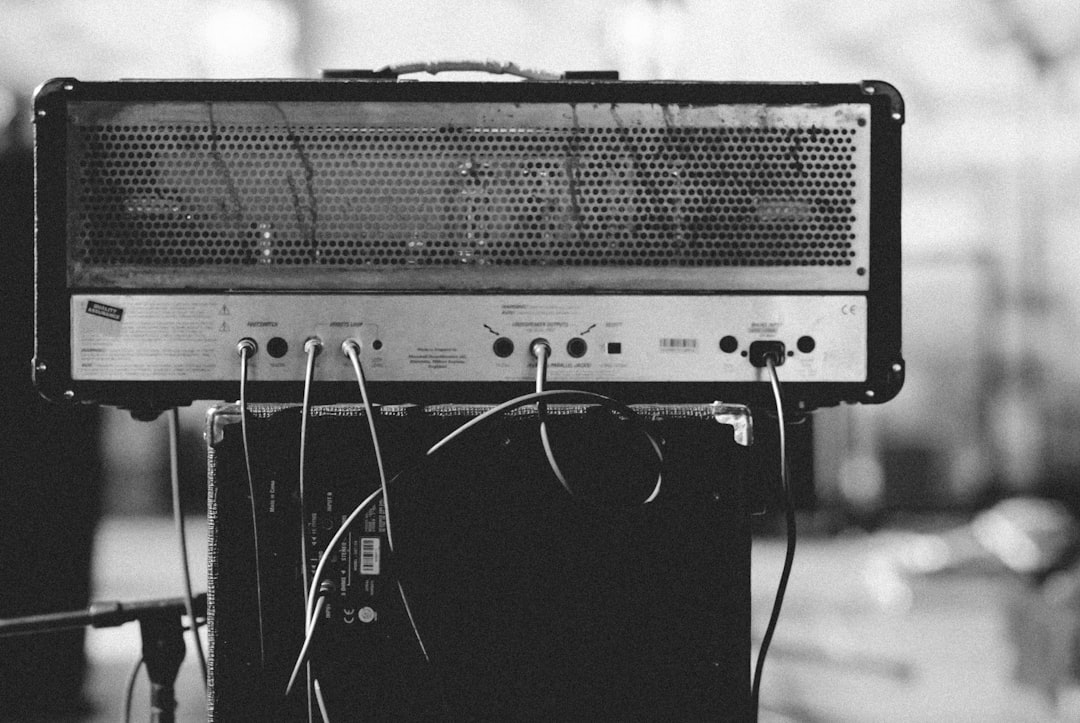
849, 309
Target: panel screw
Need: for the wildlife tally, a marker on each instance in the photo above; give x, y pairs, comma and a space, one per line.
69, 395
41, 366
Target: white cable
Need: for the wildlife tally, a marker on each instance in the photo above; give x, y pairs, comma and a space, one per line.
412, 622
314, 600
352, 350
547, 394
311, 348
542, 352
301, 659
322, 703
332, 545
245, 351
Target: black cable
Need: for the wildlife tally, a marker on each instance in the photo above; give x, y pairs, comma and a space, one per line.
181, 535
129, 696
245, 349
789, 555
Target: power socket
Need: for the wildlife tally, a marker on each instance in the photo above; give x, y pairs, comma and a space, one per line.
759, 350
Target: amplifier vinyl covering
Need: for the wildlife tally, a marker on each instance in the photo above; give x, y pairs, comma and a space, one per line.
532, 605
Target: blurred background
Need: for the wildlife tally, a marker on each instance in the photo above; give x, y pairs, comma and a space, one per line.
937, 575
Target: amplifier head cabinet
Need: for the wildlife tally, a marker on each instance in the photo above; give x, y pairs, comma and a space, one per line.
662, 236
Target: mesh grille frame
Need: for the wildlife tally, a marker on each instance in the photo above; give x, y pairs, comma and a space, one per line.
468, 195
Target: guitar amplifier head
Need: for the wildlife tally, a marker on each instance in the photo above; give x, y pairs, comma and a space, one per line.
662, 236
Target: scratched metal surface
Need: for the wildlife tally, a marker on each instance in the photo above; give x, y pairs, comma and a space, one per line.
468, 194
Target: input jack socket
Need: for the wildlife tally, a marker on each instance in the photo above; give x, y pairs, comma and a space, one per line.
247, 347
536, 345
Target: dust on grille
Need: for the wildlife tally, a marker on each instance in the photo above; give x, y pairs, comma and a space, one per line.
211, 195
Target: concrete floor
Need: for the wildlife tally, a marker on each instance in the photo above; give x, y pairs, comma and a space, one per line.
856, 642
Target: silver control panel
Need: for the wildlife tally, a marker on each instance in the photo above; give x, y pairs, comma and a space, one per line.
468, 338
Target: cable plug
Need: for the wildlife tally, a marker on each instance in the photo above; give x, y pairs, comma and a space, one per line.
762, 350
246, 347
350, 347
313, 344
540, 346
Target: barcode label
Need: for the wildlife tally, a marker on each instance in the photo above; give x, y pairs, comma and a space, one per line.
369, 555
678, 344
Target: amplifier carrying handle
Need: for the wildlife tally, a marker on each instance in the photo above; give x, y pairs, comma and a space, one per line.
392, 72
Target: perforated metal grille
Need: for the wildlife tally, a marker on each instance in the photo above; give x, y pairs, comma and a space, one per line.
204, 194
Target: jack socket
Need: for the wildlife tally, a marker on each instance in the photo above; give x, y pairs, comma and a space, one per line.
247, 347
540, 343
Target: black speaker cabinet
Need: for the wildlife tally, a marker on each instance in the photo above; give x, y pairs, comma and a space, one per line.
531, 603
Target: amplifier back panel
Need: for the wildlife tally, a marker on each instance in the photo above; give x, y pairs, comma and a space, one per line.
686, 223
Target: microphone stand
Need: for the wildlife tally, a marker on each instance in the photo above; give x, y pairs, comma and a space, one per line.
162, 639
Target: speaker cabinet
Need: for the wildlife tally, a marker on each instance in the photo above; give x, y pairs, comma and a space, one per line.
532, 604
